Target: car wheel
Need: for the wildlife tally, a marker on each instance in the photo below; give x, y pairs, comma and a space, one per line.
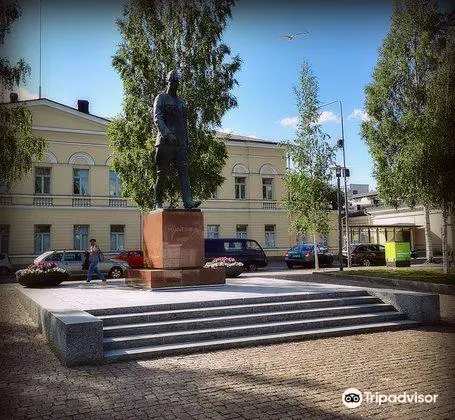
252, 267
290, 265
4, 271
115, 273
366, 262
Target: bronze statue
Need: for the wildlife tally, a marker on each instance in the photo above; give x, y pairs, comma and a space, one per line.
172, 142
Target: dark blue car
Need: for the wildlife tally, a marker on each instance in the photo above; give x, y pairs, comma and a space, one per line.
304, 255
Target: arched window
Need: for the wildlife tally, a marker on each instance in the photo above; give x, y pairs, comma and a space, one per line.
239, 171
81, 158
268, 173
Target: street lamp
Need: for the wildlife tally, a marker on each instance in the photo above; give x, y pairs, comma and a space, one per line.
346, 174
338, 170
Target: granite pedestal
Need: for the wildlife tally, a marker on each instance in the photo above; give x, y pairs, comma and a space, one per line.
174, 254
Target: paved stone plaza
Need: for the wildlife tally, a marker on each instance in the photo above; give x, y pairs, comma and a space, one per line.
286, 381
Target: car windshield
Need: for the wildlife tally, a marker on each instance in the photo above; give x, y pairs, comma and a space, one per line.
43, 256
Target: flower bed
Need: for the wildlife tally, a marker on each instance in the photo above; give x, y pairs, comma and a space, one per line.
232, 267
42, 275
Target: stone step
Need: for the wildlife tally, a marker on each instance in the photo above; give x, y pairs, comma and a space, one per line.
246, 307
138, 340
150, 352
243, 319
282, 297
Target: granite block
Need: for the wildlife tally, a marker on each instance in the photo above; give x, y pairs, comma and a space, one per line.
173, 239
157, 278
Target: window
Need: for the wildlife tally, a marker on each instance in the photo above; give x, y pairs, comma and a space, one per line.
232, 245
42, 238
80, 181
325, 240
240, 187
354, 192
213, 231
73, 256
117, 242
42, 180
241, 231
115, 185
214, 194
270, 240
81, 237
253, 245
4, 238
267, 188
57, 256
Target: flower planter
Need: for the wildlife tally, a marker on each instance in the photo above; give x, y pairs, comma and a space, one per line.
41, 280
233, 271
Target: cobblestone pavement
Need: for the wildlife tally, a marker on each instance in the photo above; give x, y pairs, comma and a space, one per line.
287, 381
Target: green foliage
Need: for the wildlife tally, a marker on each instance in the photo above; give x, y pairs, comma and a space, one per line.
160, 36
398, 133
308, 178
440, 117
17, 143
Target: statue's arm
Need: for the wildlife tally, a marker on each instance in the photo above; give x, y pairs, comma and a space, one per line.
158, 117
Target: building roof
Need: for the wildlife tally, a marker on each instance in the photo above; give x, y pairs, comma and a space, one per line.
61, 107
237, 137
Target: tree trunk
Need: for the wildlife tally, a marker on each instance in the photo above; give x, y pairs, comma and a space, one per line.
315, 250
428, 240
445, 265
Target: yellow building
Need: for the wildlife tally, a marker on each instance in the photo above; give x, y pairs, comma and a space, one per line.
72, 194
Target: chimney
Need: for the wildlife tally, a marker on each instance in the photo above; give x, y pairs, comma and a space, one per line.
82, 106
13, 97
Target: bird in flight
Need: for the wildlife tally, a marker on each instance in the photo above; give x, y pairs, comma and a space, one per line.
291, 37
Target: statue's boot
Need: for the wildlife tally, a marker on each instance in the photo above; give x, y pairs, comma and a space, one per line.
188, 202
191, 204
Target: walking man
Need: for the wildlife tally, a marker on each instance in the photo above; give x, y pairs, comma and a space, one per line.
172, 142
94, 259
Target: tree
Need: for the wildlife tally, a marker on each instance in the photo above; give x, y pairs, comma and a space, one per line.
18, 145
396, 103
440, 149
159, 36
308, 177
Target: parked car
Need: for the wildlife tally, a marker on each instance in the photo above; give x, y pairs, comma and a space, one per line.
304, 255
5, 265
365, 254
134, 258
247, 251
72, 260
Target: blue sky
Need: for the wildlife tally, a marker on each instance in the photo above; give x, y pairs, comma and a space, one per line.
79, 38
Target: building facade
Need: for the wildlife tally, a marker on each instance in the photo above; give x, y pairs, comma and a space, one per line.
72, 194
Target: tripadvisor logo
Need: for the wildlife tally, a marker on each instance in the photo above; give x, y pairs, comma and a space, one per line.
352, 398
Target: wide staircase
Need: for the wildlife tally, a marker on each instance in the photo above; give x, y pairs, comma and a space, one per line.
179, 328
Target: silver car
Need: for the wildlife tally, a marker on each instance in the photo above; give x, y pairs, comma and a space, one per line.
72, 260
5, 265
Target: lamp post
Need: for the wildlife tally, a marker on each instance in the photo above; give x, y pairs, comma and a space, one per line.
338, 169
345, 176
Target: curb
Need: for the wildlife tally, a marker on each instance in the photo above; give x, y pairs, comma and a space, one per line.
365, 281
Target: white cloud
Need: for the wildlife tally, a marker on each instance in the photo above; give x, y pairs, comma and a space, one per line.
359, 114
292, 121
327, 116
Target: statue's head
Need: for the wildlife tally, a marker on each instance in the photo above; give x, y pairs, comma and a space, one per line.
172, 79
